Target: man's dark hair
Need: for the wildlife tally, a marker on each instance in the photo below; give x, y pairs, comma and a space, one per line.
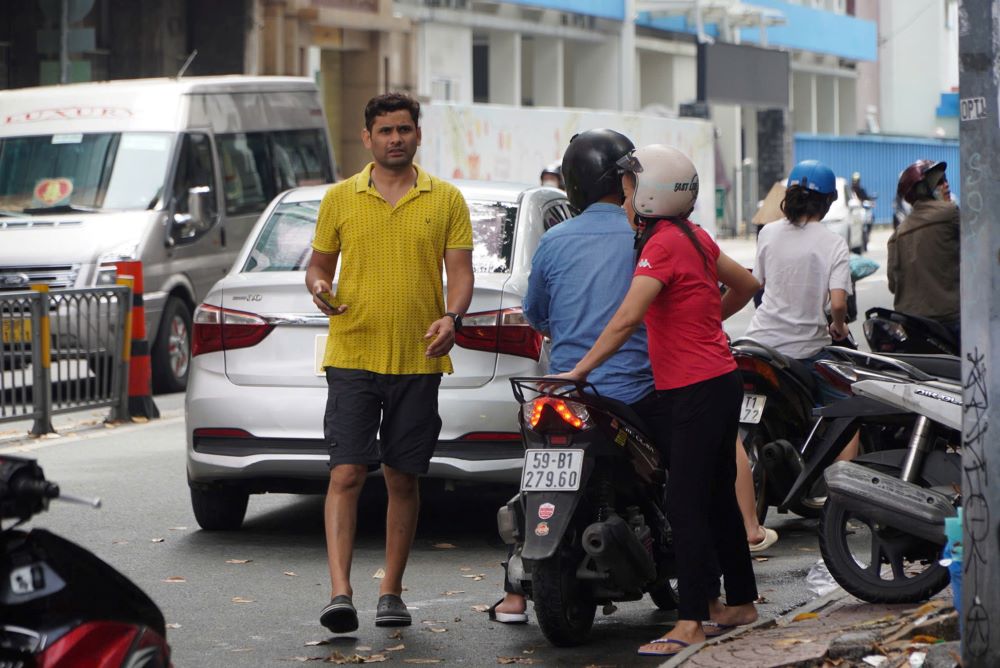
389, 102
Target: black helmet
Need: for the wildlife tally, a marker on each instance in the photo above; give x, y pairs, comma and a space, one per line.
589, 169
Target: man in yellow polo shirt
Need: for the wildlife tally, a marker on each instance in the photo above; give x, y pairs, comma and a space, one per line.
392, 225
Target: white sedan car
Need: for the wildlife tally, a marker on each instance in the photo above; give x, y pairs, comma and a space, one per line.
846, 217
256, 395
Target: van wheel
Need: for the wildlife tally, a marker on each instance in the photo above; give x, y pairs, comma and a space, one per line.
219, 508
171, 355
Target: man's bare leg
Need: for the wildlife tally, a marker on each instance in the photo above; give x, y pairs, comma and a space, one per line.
400, 526
340, 514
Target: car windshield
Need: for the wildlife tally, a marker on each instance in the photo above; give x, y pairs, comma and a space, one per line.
285, 240
83, 172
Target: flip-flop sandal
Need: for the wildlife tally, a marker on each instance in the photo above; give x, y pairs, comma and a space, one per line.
339, 615
715, 629
671, 648
507, 617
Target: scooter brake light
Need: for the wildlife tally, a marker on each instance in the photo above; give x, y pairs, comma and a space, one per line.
570, 412
752, 364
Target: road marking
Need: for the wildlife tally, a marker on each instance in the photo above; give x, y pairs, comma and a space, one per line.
85, 435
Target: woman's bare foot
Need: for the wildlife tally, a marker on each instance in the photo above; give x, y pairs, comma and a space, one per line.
732, 615
512, 604
685, 633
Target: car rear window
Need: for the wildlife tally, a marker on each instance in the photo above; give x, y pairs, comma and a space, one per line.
285, 241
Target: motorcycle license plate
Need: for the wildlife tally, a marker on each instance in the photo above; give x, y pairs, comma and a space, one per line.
551, 470
753, 408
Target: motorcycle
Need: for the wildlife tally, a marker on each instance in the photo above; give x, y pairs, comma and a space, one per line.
60, 605
882, 526
588, 527
889, 331
779, 393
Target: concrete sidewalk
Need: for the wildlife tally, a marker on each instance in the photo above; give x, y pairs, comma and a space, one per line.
838, 630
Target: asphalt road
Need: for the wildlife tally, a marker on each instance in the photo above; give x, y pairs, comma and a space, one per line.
263, 610
252, 597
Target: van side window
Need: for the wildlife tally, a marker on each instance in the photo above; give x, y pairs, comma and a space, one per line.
246, 172
301, 158
194, 170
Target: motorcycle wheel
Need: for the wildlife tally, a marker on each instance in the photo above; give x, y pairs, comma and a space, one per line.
876, 563
665, 596
565, 614
752, 445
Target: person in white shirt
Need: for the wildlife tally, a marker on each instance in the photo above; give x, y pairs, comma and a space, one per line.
804, 269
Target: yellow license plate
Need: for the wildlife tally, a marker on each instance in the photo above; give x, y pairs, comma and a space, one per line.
16, 330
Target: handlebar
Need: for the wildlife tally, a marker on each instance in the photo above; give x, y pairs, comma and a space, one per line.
25, 492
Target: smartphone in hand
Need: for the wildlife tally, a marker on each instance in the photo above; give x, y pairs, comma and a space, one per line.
327, 299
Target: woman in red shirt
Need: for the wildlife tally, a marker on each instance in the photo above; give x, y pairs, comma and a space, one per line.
699, 391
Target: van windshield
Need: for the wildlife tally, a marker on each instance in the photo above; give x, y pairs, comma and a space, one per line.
83, 172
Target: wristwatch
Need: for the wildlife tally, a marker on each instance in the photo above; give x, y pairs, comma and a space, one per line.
456, 318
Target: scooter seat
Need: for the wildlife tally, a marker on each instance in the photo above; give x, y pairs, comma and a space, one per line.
948, 367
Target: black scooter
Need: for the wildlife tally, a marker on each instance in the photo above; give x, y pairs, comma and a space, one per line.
60, 605
588, 527
889, 331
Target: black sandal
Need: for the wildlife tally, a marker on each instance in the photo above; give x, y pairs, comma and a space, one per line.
507, 617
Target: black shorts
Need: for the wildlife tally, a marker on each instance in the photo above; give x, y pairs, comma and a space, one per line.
402, 410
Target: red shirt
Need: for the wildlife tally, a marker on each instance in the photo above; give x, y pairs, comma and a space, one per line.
684, 323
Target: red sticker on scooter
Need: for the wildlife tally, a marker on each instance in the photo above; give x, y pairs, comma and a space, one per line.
546, 510
542, 529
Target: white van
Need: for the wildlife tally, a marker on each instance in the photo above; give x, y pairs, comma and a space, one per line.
171, 172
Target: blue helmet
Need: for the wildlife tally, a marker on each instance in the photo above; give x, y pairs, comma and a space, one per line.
813, 175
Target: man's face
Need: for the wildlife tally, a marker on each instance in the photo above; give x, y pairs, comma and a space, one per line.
943, 190
393, 139
628, 186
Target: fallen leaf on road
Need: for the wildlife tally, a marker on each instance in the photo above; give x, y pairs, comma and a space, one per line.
119, 542
807, 549
240, 599
465, 568
178, 528
156, 540
437, 629
238, 561
527, 651
173, 626
760, 558
396, 635
304, 659
421, 661
475, 578
317, 643
340, 659
802, 616
480, 608
374, 658
444, 546
930, 640
395, 648
175, 578
790, 642
362, 648
452, 593
290, 574
520, 660
379, 574
242, 649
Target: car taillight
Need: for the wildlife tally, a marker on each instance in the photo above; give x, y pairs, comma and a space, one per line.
544, 412
100, 644
505, 331
751, 364
225, 329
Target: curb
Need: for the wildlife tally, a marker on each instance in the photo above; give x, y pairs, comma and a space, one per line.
781, 620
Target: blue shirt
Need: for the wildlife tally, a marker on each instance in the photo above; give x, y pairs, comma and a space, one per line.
579, 276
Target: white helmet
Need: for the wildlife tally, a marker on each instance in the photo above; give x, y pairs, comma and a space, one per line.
666, 182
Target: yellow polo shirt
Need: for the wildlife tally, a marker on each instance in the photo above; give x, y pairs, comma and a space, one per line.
390, 270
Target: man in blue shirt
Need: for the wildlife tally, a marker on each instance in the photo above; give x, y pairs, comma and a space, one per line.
579, 276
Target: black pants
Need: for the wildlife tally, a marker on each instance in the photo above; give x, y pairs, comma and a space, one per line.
695, 428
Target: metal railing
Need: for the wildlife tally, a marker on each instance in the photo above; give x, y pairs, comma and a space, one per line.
63, 351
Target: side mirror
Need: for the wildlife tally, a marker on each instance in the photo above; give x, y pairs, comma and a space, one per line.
197, 220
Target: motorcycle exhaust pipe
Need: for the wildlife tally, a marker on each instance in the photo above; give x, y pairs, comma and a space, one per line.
616, 549
890, 501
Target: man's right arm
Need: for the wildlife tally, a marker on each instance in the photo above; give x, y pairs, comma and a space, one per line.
536, 300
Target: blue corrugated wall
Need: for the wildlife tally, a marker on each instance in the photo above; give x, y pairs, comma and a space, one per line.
880, 159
